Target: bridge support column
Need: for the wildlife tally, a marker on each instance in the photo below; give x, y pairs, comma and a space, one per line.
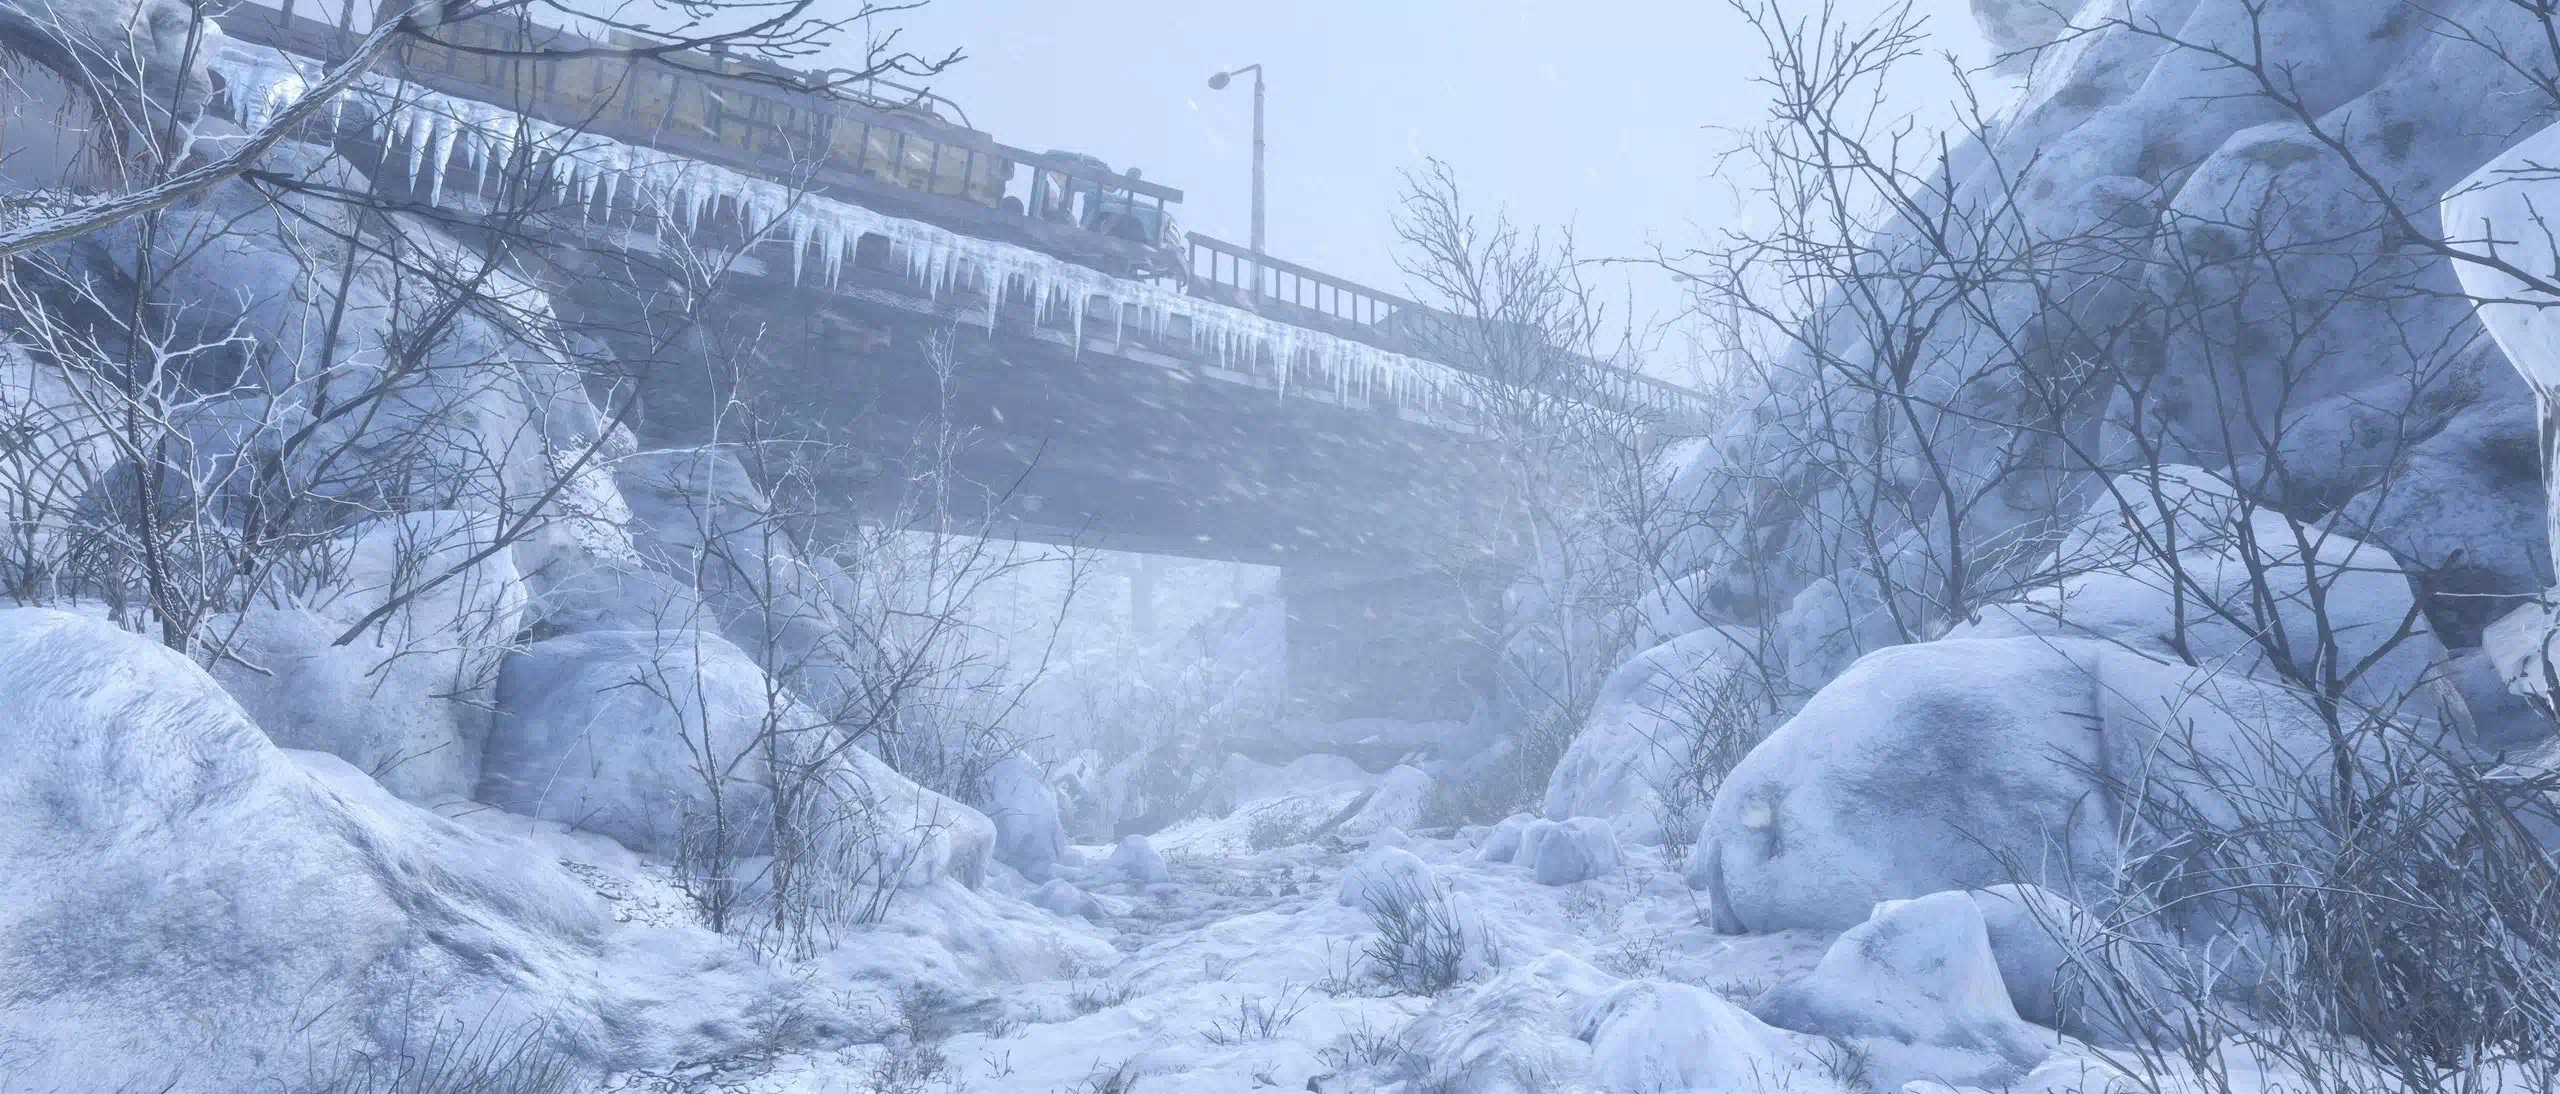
1399, 646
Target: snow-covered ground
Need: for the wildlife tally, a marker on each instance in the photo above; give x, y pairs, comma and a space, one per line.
1244, 970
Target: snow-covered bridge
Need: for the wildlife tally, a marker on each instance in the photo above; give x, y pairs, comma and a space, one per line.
1123, 383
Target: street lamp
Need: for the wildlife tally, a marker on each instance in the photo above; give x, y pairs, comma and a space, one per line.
1219, 83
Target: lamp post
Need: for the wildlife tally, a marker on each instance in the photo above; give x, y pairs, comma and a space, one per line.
1219, 83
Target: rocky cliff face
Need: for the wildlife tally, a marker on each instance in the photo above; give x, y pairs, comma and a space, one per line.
2280, 428
2145, 209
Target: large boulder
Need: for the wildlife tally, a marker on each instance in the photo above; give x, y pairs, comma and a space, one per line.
407, 700
183, 897
1911, 774
1966, 763
649, 737
636, 735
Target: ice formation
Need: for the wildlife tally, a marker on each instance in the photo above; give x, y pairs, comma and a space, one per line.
430, 133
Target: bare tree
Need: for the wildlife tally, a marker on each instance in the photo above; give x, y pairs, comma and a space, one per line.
1558, 455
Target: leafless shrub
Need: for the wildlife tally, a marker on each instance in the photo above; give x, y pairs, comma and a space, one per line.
1422, 946
1717, 720
1100, 994
1257, 1018
1637, 955
1120, 1078
1846, 1061
1363, 1046
454, 1058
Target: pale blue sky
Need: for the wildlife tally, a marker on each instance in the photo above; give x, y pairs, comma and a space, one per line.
1601, 113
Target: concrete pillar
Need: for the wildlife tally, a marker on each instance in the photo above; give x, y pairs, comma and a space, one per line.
1401, 646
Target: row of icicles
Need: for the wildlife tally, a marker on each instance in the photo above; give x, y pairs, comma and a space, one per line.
428, 133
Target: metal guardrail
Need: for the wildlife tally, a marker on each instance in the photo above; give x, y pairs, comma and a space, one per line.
1311, 298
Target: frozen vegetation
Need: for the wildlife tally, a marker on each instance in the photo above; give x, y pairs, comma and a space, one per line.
2104, 642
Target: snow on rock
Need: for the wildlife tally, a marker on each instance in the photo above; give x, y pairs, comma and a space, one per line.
2501, 211
1643, 732
2013, 26
2040, 939
623, 732
1646, 1035
1382, 874
148, 57
180, 890
1965, 763
1136, 860
2242, 584
1065, 899
1514, 1034
1577, 850
407, 700
1029, 837
1903, 778
1918, 974
1502, 841
2411, 434
1396, 803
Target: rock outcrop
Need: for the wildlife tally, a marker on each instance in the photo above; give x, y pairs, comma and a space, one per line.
178, 884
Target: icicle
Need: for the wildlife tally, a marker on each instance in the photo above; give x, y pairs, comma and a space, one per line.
440, 157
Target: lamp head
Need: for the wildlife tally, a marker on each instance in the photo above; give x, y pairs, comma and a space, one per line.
1218, 82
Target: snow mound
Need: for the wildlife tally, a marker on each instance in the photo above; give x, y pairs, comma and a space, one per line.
180, 889
1029, 837
1137, 861
1919, 974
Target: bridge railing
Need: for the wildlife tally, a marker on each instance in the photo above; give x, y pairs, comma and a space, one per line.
1304, 297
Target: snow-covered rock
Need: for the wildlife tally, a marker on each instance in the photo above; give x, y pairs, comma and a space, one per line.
1137, 861
1577, 850
1029, 837
1647, 1035
1903, 778
2045, 945
1917, 973
182, 894
2245, 585
1396, 802
635, 735
1965, 763
1514, 1034
1383, 873
2410, 436
2016, 26
136, 53
1059, 896
1502, 841
698, 515
1644, 728
407, 700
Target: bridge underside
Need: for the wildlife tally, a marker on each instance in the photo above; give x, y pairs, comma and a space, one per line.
1113, 445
